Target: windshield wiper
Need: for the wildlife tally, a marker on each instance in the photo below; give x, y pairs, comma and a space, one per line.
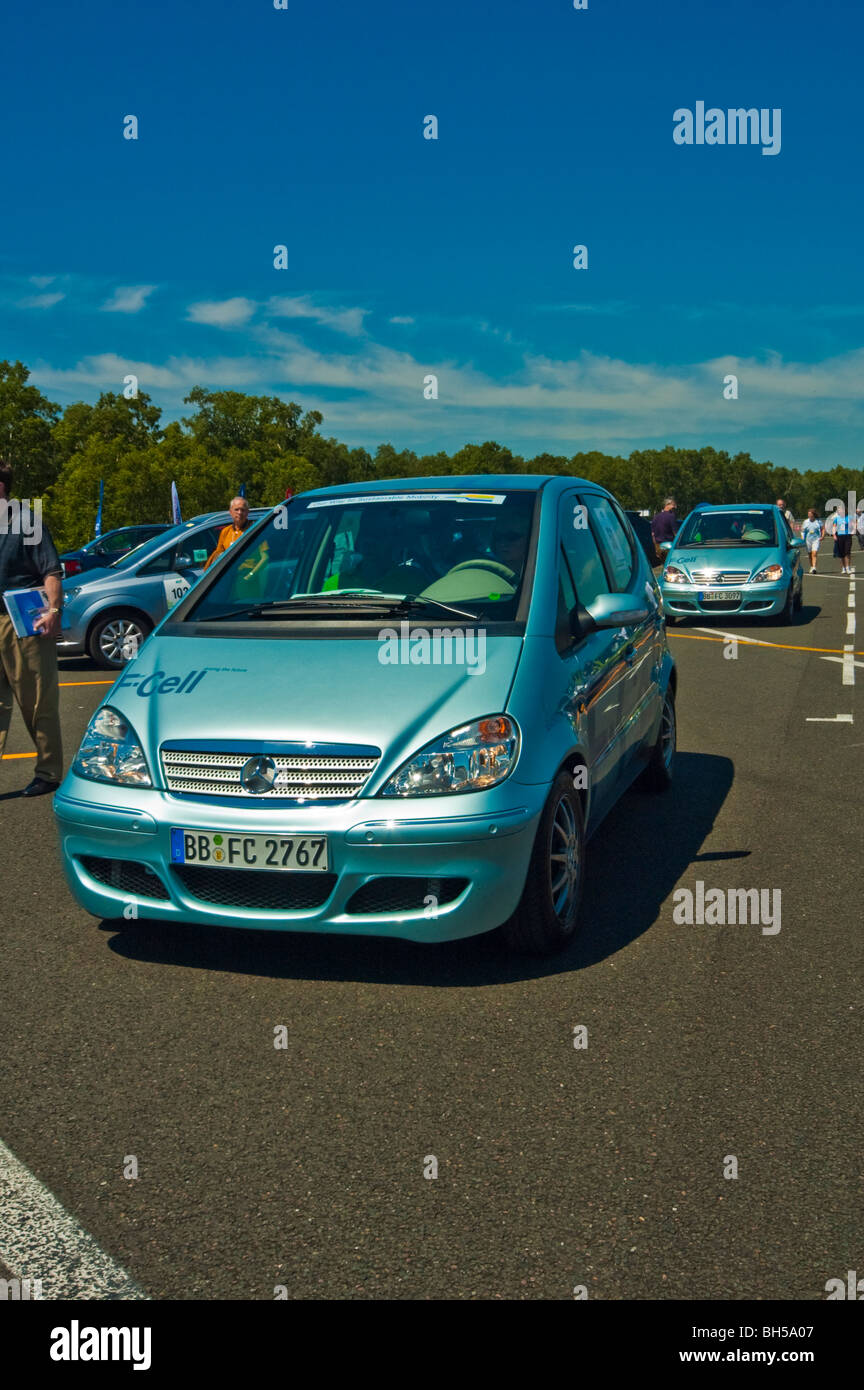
342, 600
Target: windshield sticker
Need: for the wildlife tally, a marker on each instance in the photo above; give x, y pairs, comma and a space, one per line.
495, 498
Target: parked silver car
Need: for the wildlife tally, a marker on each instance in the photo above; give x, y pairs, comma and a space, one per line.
109, 612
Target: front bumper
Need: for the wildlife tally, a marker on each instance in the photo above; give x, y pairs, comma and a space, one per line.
463, 866
757, 600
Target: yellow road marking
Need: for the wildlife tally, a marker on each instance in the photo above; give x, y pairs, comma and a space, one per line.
753, 642
18, 755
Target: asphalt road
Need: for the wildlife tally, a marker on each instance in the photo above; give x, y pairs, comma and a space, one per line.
557, 1166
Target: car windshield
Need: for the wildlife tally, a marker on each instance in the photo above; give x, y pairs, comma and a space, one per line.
744, 526
141, 552
329, 556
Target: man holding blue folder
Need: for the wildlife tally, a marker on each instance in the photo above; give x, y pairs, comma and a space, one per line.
28, 665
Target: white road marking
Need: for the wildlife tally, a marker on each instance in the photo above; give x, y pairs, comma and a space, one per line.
848, 665
734, 636
40, 1240
841, 659
838, 719
850, 624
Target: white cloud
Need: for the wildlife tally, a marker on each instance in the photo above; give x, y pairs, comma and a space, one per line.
128, 299
349, 321
401, 318
41, 281
223, 313
41, 301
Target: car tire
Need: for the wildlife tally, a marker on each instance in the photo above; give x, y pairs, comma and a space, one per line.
659, 772
547, 918
799, 597
109, 632
789, 607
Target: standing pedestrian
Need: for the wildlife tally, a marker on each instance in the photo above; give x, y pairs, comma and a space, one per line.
664, 527
28, 665
843, 527
784, 511
238, 510
859, 527
811, 533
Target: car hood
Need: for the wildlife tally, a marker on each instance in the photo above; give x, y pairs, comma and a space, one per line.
749, 558
332, 691
93, 576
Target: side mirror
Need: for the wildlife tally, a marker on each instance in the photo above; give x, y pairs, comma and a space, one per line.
797, 543
665, 546
618, 610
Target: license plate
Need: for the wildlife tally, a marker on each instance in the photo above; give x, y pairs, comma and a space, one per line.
221, 850
708, 594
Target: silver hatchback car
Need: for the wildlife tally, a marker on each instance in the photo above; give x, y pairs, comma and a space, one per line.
109, 612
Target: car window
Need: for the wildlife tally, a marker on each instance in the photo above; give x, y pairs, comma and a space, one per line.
445, 545
614, 540
121, 540
566, 604
735, 527
580, 547
196, 548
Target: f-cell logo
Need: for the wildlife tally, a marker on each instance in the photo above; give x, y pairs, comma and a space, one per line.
158, 683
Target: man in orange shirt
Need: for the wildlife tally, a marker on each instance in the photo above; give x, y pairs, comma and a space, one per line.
239, 512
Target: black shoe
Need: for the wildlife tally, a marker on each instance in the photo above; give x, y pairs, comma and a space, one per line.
39, 787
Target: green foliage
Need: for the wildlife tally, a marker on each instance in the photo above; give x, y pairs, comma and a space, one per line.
270, 445
26, 422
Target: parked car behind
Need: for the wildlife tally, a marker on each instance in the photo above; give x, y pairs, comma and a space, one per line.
393, 709
109, 612
104, 550
644, 535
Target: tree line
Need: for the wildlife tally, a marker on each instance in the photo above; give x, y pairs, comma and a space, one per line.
230, 439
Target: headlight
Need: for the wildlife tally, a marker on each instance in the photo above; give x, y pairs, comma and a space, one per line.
110, 752
768, 575
468, 759
672, 575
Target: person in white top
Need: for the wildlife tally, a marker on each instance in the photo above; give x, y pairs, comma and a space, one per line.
811, 534
859, 527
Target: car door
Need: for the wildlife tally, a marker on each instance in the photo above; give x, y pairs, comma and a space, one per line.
593, 660
640, 646
170, 574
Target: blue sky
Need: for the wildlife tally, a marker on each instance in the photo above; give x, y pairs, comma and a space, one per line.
409, 256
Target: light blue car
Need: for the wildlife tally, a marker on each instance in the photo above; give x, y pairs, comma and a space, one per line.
108, 612
735, 560
393, 709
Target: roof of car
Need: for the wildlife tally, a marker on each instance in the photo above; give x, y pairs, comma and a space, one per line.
449, 482
733, 506
223, 512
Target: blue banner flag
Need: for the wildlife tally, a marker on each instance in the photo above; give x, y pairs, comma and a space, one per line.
97, 530
175, 506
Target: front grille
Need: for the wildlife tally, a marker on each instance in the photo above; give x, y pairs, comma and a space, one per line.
404, 894
299, 776
278, 892
721, 605
711, 577
127, 876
